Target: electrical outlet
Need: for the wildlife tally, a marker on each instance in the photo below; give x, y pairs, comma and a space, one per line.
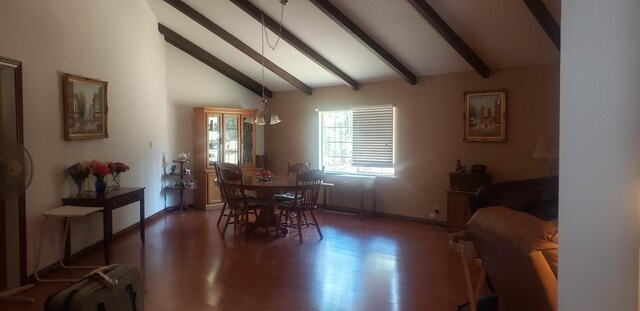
436, 210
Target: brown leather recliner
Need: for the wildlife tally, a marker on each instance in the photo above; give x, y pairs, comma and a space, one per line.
537, 196
519, 249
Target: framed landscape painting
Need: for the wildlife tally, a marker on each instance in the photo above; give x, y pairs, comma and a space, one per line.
85, 108
485, 116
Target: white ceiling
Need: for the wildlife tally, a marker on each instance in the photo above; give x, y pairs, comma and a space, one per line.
503, 33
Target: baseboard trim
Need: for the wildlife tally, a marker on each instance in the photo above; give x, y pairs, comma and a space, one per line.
369, 213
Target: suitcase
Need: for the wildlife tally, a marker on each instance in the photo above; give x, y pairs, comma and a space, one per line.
109, 288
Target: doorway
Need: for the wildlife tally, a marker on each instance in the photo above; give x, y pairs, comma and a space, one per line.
12, 209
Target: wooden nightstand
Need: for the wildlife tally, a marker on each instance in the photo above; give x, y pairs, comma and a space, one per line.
462, 186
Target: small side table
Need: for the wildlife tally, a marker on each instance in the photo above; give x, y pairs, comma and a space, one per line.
465, 248
66, 212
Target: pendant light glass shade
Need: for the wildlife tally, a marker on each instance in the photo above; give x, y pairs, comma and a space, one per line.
260, 118
274, 119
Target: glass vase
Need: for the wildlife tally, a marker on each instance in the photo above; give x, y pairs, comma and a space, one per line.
115, 180
79, 182
101, 185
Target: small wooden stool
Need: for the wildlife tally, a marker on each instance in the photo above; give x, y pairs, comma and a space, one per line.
65, 212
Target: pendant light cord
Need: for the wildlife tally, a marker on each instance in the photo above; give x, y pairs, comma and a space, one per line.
262, 113
264, 29
264, 34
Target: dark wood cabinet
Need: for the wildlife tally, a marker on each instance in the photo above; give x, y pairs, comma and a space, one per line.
462, 186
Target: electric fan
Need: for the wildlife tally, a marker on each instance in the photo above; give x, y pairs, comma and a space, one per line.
16, 172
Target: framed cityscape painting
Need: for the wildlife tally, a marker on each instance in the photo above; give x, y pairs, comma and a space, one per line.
85, 108
485, 116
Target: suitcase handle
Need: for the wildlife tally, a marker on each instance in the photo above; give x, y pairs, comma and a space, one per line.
105, 280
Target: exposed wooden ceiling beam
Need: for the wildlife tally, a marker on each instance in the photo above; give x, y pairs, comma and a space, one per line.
373, 46
210, 60
541, 13
256, 13
448, 34
235, 42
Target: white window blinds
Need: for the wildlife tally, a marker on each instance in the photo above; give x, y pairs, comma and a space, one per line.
373, 136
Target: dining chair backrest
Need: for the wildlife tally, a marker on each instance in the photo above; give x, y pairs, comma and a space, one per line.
295, 168
232, 187
230, 175
218, 166
308, 187
231, 166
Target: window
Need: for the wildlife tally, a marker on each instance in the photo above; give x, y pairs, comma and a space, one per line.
358, 141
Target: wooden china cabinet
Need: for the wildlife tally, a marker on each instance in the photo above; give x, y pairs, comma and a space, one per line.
221, 135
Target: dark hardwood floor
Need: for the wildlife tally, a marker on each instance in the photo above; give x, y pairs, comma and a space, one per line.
361, 264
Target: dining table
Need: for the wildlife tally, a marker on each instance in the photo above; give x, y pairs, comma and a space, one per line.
265, 191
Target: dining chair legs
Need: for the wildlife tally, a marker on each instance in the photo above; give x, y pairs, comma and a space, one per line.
299, 222
299, 216
315, 222
226, 224
224, 207
239, 221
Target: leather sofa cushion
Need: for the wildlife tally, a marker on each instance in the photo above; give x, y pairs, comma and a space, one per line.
519, 229
538, 196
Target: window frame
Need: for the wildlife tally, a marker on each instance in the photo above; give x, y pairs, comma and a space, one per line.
366, 171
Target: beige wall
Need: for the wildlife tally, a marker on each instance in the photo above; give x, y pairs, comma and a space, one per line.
116, 41
600, 167
429, 131
191, 83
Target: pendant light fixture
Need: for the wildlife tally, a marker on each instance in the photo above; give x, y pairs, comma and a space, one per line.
263, 112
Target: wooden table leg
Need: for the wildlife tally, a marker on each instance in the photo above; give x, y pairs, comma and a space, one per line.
374, 198
362, 191
324, 198
467, 281
480, 283
268, 216
107, 231
142, 217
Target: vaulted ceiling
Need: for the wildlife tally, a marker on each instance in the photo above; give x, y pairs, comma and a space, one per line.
348, 42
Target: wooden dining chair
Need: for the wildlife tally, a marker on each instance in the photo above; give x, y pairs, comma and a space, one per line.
231, 166
239, 205
292, 170
308, 184
295, 168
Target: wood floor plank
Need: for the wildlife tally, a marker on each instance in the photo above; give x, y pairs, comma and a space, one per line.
361, 264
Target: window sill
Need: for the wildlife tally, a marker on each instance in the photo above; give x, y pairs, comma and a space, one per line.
363, 176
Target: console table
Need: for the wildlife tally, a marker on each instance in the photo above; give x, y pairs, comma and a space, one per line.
110, 201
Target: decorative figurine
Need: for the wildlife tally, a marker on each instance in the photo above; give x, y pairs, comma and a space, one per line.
459, 168
173, 169
183, 156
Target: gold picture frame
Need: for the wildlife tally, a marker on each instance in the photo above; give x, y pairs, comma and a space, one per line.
85, 108
485, 116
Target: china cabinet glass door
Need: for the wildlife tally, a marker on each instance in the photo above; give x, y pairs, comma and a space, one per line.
231, 138
247, 140
213, 139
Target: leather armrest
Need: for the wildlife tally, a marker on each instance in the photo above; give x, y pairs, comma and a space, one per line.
519, 229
